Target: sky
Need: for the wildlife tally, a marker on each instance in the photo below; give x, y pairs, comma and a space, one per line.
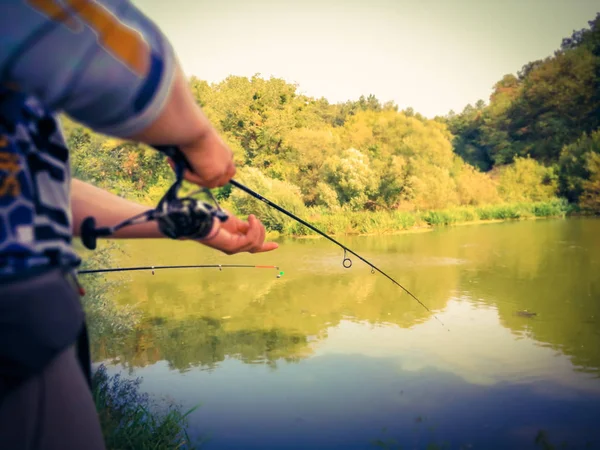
431, 55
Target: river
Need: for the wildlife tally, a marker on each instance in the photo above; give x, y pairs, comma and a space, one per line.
325, 357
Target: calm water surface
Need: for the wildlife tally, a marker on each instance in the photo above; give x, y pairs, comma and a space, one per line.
332, 358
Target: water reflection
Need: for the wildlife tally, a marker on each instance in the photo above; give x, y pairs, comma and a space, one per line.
202, 342
367, 382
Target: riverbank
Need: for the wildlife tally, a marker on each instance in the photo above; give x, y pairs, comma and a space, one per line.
365, 223
130, 421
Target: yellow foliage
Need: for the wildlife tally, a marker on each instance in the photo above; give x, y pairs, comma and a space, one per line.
526, 180
475, 188
433, 187
111, 142
358, 131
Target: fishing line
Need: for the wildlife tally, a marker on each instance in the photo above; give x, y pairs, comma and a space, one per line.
346, 262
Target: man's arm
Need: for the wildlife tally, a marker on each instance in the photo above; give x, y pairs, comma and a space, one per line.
231, 237
108, 210
111, 68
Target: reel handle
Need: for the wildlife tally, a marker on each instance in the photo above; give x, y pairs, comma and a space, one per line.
90, 234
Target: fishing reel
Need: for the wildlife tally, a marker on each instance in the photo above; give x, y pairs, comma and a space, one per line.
177, 217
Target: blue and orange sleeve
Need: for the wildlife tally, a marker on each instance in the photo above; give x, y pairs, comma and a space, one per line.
103, 62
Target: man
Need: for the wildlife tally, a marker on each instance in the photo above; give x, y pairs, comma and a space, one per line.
108, 66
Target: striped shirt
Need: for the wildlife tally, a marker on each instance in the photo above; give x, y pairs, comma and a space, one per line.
103, 63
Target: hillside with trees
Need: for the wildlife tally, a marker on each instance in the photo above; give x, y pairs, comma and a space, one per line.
550, 112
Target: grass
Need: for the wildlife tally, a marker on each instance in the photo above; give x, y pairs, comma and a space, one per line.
130, 421
386, 222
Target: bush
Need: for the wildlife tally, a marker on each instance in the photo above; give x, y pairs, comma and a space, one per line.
326, 196
553, 208
527, 181
475, 188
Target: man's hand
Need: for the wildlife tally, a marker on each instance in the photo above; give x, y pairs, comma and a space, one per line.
236, 236
182, 123
211, 160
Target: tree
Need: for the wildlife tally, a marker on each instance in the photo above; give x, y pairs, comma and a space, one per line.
351, 177
548, 104
573, 165
590, 197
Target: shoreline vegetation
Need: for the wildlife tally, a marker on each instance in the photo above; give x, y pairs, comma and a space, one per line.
393, 222
131, 421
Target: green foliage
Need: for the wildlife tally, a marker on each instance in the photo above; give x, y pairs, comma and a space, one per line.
551, 208
125, 168
310, 147
383, 222
433, 186
555, 106
573, 165
504, 211
130, 421
448, 217
590, 199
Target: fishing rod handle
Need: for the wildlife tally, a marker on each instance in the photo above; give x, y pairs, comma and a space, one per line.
179, 159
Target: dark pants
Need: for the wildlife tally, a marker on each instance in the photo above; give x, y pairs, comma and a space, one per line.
45, 400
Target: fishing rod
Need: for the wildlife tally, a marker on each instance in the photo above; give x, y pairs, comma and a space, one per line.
190, 218
194, 266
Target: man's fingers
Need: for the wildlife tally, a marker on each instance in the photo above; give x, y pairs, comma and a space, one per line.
240, 236
203, 182
241, 226
252, 236
254, 222
267, 247
210, 183
231, 170
253, 240
232, 244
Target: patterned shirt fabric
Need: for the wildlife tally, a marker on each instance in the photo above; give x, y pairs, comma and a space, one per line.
35, 224
103, 63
